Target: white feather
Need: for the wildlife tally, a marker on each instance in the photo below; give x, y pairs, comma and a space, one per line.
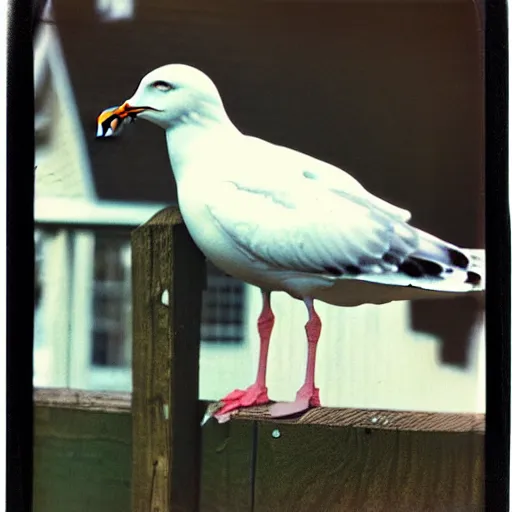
283, 220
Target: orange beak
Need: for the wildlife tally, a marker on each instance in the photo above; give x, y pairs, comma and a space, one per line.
110, 121
126, 110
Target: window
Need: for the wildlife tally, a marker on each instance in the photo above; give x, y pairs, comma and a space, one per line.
111, 336
223, 308
83, 335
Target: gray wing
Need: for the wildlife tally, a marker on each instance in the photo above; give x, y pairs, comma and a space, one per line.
312, 231
295, 212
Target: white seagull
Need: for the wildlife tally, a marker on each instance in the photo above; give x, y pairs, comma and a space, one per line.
285, 221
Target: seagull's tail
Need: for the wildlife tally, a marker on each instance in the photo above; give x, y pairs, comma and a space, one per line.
477, 265
442, 271
463, 270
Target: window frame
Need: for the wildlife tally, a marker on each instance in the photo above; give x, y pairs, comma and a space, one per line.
74, 225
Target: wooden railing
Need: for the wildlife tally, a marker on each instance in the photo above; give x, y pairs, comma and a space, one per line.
325, 460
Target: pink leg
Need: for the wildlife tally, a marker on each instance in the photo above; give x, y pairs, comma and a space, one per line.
308, 395
257, 393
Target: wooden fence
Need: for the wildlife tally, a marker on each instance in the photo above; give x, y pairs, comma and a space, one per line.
105, 451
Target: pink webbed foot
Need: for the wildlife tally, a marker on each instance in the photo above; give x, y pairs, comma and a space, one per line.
253, 395
306, 397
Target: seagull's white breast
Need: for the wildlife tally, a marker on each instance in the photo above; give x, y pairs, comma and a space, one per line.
216, 245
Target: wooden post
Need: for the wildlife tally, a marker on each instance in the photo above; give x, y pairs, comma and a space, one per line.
167, 267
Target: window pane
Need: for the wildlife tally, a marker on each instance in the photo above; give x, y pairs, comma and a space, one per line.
111, 336
106, 339
222, 317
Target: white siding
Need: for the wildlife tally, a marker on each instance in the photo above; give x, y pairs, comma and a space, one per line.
368, 357
52, 341
82, 320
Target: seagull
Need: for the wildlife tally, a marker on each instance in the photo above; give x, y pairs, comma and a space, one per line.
284, 221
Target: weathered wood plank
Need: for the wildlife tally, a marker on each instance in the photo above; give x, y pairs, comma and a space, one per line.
366, 418
82, 460
375, 419
82, 450
227, 466
165, 407
65, 398
301, 468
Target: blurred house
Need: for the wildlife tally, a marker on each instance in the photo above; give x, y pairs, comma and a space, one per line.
82, 242
391, 92
83, 262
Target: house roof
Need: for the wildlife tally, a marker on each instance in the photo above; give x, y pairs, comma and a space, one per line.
63, 165
392, 93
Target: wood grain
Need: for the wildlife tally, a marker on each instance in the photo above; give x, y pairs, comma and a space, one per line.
165, 409
227, 466
306, 468
64, 398
82, 460
375, 419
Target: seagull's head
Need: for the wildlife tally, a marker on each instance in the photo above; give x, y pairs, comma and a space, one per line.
168, 96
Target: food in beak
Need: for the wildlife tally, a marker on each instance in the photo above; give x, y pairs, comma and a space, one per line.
111, 121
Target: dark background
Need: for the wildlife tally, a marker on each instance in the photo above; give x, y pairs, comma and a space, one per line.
20, 252
392, 92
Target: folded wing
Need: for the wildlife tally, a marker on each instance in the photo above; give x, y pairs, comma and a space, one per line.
314, 218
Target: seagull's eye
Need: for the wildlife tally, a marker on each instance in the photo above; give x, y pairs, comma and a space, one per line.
162, 85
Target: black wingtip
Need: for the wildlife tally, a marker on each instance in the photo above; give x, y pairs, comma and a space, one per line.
430, 268
335, 271
473, 278
411, 268
418, 267
458, 259
353, 269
